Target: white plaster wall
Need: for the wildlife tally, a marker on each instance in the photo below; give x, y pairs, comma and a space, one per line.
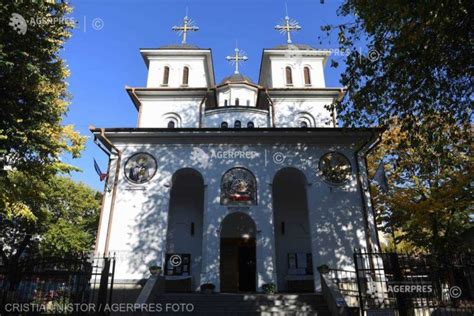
289, 110
242, 92
214, 118
157, 112
138, 234
197, 72
297, 64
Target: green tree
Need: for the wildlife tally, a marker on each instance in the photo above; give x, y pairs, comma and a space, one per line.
427, 206
61, 219
33, 92
34, 101
406, 59
73, 214
409, 66
64, 223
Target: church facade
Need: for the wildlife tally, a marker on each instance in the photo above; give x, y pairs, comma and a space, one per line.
232, 182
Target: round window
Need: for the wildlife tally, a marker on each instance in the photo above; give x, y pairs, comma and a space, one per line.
140, 168
335, 167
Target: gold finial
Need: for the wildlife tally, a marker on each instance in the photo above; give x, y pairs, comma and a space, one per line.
288, 27
188, 26
236, 58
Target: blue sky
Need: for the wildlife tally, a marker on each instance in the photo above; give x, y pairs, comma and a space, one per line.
102, 62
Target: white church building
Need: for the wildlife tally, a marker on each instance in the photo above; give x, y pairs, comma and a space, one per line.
233, 182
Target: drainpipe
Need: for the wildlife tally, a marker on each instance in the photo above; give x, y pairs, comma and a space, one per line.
272, 108
200, 107
102, 203
114, 190
360, 156
139, 119
338, 98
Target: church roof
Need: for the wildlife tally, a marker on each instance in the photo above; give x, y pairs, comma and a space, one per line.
294, 47
179, 46
236, 78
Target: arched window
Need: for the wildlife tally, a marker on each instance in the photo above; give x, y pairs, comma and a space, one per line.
185, 76
224, 125
289, 76
237, 101
225, 103
166, 75
172, 120
305, 120
238, 186
250, 125
237, 124
307, 76
248, 102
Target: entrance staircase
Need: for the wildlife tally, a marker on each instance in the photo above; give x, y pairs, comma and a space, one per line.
245, 304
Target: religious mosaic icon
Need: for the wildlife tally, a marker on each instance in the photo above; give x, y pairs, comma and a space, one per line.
140, 168
238, 187
335, 167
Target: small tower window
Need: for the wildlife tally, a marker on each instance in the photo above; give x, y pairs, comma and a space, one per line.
237, 101
185, 76
307, 76
303, 124
237, 124
289, 76
226, 103
171, 124
224, 125
248, 102
250, 125
166, 75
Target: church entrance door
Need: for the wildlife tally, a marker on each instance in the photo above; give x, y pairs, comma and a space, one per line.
238, 254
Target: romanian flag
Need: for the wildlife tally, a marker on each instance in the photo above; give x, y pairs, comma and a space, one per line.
102, 175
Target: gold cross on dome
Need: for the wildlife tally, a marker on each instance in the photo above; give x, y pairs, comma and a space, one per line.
188, 26
288, 27
236, 58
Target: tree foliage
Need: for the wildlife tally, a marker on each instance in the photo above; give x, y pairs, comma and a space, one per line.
407, 60
427, 206
409, 67
64, 221
34, 91
39, 210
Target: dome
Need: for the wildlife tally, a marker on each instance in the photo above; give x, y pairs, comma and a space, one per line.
236, 78
294, 47
179, 46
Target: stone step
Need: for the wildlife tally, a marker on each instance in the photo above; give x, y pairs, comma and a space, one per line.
248, 304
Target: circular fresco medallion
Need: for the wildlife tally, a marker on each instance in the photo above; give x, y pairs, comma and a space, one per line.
335, 167
238, 186
140, 168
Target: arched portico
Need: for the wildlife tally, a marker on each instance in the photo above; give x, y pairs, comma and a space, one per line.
292, 231
185, 226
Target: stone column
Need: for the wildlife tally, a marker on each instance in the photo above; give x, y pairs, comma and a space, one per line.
311, 196
210, 239
265, 237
